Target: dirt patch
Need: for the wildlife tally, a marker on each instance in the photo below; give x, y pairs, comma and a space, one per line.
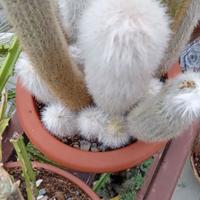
54, 186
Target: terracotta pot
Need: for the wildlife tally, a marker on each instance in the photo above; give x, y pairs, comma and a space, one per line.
66, 156
86, 189
194, 168
195, 150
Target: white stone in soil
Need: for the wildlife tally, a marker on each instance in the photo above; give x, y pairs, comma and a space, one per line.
85, 145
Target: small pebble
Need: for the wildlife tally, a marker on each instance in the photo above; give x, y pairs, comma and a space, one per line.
38, 182
42, 192
45, 198
85, 145
42, 197
94, 147
102, 148
76, 146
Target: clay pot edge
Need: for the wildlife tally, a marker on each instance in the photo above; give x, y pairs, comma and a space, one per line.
86, 189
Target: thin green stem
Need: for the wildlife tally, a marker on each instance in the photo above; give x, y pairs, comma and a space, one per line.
101, 182
4, 119
3, 105
28, 172
3, 125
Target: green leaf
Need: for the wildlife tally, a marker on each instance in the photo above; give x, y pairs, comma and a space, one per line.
3, 125
28, 171
8, 65
146, 164
138, 181
11, 94
104, 178
4, 25
3, 105
36, 155
134, 171
128, 196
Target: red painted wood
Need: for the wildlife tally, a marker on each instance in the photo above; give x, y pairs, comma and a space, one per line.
149, 175
165, 178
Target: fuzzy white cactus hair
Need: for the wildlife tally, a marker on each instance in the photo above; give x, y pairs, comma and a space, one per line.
69, 12
31, 81
154, 87
76, 56
116, 133
122, 43
59, 120
93, 123
165, 115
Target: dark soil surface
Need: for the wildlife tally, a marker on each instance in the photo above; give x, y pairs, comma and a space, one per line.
196, 153
81, 143
56, 187
87, 145
196, 158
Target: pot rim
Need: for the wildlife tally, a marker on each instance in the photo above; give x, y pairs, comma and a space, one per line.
85, 188
66, 156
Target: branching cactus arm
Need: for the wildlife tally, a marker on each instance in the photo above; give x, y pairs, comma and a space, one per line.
165, 115
36, 25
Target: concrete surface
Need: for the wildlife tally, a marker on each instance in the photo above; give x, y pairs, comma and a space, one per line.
187, 187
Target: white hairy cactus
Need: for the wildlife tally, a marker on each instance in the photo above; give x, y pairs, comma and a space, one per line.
116, 134
154, 87
122, 43
165, 115
59, 120
31, 80
70, 12
76, 55
93, 123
